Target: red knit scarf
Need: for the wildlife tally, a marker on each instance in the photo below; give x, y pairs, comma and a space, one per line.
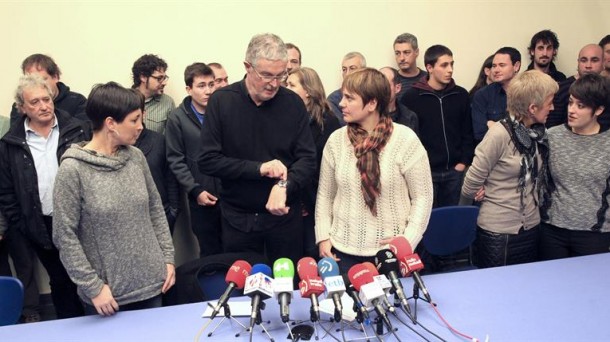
367, 148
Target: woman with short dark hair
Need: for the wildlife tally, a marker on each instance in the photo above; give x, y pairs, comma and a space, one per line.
576, 220
109, 224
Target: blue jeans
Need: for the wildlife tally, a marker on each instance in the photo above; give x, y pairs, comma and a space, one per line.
447, 186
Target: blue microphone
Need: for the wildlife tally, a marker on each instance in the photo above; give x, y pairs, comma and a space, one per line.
333, 282
259, 286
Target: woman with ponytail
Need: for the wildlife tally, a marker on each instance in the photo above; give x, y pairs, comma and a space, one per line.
375, 180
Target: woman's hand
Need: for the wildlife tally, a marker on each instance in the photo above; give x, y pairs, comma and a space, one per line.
325, 248
104, 302
170, 280
480, 194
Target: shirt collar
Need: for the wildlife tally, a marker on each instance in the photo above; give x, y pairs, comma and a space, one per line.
26, 124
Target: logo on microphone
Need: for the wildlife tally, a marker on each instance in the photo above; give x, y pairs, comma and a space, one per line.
281, 266
389, 254
325, 266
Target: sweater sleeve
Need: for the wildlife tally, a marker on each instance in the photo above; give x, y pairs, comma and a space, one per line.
487, 154
415, 169
66, 225
327, 190
157, 214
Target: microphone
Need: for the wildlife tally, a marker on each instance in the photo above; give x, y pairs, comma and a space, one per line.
370, 292
311, 285
387, 263
335, 287
236, 278
401, 248
385, 284
358, 305
414, 265
409, 262
259, 286
283, 272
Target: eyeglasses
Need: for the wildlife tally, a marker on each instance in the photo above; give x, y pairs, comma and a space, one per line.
160, 78
269, 78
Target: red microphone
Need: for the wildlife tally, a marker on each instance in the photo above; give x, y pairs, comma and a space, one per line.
236, 278
369, 291
410, 263
401, 248
311, 285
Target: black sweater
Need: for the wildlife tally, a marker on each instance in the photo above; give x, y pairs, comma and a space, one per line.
239, 136
445, 125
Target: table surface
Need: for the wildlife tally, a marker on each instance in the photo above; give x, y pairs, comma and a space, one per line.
560, 300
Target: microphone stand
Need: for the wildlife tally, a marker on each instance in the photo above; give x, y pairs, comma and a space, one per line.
227, 314
416, 297
259, 321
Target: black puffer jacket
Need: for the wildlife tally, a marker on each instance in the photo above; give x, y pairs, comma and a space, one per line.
19, 198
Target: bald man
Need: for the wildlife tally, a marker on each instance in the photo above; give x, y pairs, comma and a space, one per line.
590, 60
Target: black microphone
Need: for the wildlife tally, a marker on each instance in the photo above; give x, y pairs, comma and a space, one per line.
387, 264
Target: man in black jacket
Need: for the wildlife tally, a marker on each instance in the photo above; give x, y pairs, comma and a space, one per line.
64, 99
256, 139
182, 134
29, 159
399, 112
445, 126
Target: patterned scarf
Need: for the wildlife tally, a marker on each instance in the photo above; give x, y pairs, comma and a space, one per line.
527, 141
367, 148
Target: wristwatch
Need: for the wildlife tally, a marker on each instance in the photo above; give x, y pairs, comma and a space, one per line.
282, 183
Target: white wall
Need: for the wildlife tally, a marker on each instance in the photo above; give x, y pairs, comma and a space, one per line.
97, 42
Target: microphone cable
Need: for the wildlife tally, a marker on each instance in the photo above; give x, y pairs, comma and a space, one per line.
198, 336
454, 331
418, 323
410, 328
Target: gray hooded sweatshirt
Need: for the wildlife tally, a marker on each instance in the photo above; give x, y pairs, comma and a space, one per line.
109, 224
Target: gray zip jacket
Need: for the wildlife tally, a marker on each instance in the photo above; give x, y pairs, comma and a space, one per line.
109, 224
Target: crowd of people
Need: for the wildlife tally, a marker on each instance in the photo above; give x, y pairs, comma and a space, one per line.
269, 164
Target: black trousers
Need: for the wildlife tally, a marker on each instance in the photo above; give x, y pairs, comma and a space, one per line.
557, 243
349, 260
206, 225
265, 234
24, 260
63, 290
493, 249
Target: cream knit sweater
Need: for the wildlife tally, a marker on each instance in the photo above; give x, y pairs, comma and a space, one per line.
403, 208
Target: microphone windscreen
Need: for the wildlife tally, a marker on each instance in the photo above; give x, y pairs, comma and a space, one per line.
283, 268
371, 267
238, 272
307, 268
401, 247
359, 275
328, 267
261, 268
387, 262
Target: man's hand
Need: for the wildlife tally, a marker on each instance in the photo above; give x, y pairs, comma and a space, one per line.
206, 199
274, 169
104, 302
170, 280
460, 167
276, 204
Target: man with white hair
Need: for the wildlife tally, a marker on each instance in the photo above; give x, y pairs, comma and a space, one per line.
257, 141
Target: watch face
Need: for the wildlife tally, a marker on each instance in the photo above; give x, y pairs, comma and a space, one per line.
282, 183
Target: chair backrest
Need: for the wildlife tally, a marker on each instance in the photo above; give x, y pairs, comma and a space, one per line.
11, 300
451, 229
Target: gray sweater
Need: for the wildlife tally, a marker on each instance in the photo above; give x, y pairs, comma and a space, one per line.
109, 224
579, 166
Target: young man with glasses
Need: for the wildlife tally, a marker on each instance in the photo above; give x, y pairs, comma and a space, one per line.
182, 136
149, 78
256, 139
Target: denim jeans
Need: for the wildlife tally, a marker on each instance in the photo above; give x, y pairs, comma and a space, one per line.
447, 186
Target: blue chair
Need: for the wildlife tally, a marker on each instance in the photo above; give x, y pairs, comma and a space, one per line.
11, 300
450, 235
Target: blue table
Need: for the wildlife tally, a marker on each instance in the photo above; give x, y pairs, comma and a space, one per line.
562, 300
